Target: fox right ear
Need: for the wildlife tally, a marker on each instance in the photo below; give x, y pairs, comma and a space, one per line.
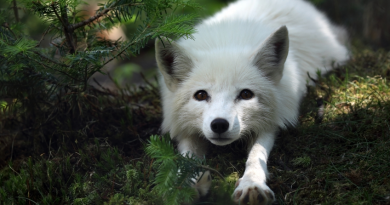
271, 56
172, 62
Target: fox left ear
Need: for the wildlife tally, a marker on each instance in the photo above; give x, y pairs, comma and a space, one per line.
272, 54
172, 62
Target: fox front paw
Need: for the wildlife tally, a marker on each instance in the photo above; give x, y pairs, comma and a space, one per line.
253, 193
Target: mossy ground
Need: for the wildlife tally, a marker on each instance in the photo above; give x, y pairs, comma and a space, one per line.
338, 154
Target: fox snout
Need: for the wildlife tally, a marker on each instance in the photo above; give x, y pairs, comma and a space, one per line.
221, 132
219, 125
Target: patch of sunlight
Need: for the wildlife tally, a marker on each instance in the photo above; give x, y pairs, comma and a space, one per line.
361, 92
233, 177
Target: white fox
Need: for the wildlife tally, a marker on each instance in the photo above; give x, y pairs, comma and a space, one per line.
243, 77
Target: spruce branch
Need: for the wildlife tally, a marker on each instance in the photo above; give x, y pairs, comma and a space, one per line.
47, 66
34, 51
174, 178
70, 28
48, 59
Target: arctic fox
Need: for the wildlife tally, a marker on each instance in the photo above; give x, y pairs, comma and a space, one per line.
243, 77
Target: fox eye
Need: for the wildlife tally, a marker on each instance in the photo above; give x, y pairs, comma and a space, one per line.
201, 95
246, 94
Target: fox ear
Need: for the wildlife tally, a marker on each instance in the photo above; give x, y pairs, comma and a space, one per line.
272, 54
172, 62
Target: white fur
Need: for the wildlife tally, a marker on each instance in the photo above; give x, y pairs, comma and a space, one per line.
235, 50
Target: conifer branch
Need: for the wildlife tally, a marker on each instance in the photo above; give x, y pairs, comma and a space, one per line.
90, 20
36, 52
98, 15
47, 66
50, 60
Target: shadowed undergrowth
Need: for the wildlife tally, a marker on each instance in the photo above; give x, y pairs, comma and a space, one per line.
338, 154
340, 157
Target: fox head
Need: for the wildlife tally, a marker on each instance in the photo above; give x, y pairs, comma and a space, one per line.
221, 94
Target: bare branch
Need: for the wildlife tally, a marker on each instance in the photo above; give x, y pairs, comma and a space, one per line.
68, 32
43, 36
98, 15
16, 13
90, 20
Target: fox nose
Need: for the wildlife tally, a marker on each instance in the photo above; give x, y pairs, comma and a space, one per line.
219, 125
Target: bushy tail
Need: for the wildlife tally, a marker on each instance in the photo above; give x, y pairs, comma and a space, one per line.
341, 34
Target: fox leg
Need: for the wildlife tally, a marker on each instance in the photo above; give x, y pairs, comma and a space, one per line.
196, 146
252, 187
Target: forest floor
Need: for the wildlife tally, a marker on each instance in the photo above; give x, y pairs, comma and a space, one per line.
338, 154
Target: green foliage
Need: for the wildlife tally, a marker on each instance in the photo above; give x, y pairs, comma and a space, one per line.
176, 172
174, 25
46, 76
45, 89
49, 111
